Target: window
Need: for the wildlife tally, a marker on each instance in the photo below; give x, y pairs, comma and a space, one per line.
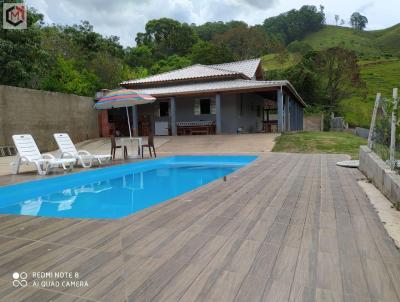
272, 115
205, 106
164, 109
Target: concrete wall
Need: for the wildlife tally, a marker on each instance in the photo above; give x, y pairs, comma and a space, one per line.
313, 123
362, 132
387, 181
42, 113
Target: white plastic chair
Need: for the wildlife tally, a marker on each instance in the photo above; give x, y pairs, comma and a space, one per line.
83, 157
28, 153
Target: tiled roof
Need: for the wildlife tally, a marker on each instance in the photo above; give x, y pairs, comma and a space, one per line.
215, 87
248, 67
242, 69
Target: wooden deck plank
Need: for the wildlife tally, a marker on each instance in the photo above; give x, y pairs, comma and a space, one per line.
289, 227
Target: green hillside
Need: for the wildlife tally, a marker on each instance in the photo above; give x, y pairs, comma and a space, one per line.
379, 76
379, 60
271, 61
331, 36
365, 43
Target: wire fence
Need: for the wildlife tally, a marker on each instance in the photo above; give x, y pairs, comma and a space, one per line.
384, 136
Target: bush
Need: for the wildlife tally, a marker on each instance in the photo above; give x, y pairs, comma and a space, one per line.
299, 47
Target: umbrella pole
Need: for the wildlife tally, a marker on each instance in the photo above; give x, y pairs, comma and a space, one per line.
129, 122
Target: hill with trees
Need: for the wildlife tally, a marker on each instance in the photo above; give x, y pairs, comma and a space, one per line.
378, 61
334, 68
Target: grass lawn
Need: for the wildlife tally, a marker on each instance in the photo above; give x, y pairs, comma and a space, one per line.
319, 142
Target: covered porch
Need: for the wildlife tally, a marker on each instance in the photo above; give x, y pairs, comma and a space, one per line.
251, 110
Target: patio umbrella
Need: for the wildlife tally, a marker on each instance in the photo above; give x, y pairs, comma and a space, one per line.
124, 98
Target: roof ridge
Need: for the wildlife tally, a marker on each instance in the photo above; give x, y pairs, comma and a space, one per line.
222, 69
229, 72
163, 73
235, 62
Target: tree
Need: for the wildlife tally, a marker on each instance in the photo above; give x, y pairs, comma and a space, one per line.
339, 72
66, 77
22, 61
337, 17
139, 56
244, 42
324, 77
107, 69
171, 63
358, 21
295, 24
210, 53
167, 37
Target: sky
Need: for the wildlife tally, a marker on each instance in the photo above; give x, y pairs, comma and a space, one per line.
124, 18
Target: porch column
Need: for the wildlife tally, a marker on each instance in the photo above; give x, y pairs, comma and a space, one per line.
135, 120
173, 116
218, 113
280, 110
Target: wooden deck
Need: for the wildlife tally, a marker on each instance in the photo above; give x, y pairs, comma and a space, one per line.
286, 228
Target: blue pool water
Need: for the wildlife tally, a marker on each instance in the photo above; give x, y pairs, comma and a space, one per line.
117, 191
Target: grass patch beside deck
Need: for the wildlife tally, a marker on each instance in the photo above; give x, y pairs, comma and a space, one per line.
319, 142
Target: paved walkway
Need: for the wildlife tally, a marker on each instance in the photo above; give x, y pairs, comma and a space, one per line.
244, 143
288, 227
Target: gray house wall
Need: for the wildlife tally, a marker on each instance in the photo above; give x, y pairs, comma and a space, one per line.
232, 118
295, 115
185, 111
247, 112
229, 113
237, 111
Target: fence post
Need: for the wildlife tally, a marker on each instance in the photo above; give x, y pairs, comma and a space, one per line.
373, 120
392, 159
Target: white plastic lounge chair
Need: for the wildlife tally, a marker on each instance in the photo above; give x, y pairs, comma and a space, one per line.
83, 157
28, 153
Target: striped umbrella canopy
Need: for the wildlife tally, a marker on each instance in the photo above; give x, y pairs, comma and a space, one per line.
124, 98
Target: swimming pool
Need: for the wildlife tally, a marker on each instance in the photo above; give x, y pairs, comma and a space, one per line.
116, 191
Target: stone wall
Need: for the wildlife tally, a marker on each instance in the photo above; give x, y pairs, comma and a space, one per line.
386, 180
42, 113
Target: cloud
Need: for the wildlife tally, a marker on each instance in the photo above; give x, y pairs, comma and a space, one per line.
366, 7
125, 18
263, 4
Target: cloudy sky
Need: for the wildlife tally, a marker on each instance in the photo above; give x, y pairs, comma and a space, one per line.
124, 18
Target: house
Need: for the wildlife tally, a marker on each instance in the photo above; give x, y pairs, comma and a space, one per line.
213, 99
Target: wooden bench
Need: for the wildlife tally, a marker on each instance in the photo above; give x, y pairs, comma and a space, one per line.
196, 128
